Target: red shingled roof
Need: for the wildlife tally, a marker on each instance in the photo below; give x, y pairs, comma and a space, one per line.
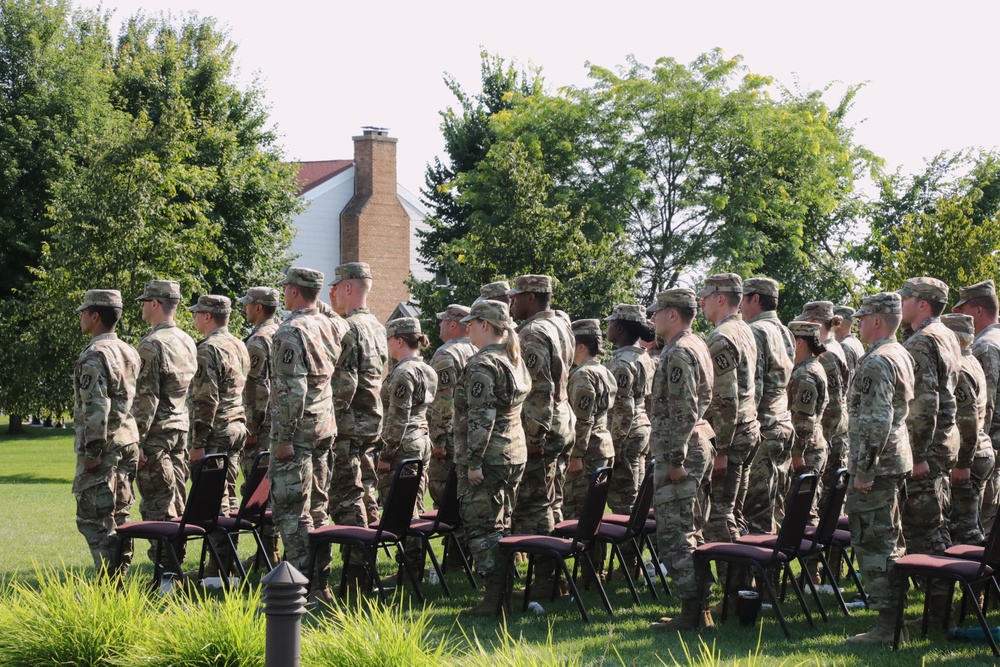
312, 174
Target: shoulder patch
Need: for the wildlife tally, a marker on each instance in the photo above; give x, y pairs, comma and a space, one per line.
807, 396
86, 380
287, 356
623, 380
961, 396
724, 361
866, 384
477, 389
532, 360
584, 402
676, 373
444, 377
401, 391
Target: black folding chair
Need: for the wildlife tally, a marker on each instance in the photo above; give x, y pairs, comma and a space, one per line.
646, 539
443, 523
250, 517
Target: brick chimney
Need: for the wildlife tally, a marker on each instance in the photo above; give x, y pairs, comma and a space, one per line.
374, 226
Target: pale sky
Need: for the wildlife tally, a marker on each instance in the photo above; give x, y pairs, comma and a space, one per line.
331, 67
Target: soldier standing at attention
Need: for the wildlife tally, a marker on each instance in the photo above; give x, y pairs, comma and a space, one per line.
879, 459
681, 442
103, 391
449, 362
853, 349
808, 394
547, 347
980, 302
769, 471
305, 349
975, 453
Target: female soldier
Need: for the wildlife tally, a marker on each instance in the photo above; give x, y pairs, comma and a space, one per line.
807, 398
489, 441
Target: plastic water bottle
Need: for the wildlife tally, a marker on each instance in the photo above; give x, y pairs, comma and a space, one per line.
973, 634
536, 608
168, 584
432, 577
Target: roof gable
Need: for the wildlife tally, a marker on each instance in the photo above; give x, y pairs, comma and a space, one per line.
316, 173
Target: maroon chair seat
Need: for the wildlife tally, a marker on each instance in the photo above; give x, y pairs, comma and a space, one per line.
922, 564
966, 551
844, 523
729, 550
233, 523
428, 527
563, 546
359, 534
169, 530
429, 515
769, 540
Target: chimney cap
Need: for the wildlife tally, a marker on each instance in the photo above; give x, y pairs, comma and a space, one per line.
374, 129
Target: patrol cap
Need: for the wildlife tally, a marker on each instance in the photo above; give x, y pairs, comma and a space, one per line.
804, 329
212, 303
531, 283
985, 288
303, 277
351, 271
844, 311
495, 312
928, 289
678, 297
761, 285
161, 289
402, 325
722, 282
888, 303
265, 296
959, 323
497, 290
627, 311
816, 310
454, 312
110, 298
587, 327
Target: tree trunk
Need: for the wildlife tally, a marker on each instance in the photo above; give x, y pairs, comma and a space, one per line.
16, 425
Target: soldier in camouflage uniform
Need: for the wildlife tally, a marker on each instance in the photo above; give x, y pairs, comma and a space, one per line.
629, 422
769, 472
490, 442
808, 396
879, 458
681, 442
305, 349
449, 362
979, 301
496, 291
591, 391
853, 349
975, 453
103, 391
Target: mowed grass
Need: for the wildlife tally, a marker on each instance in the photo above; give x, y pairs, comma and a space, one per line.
37, 529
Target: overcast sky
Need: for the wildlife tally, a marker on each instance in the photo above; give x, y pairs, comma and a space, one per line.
331, 67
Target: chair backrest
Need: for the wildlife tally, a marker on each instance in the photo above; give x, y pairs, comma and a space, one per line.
398, 510
643, 501
991, 552
449, 512
830, 516
256, 491
798, 505
208, 486
593, 507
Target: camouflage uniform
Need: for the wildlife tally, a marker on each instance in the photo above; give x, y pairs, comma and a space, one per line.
496, 291
808, 396
305, 349
853, 349
103, 391
681, 436
449, 362
217, 396
769, 473
322, 457
169, 361
257, 390
629, 422
879, 454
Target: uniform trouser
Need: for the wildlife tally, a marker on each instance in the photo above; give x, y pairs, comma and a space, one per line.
729, 493
629, 470
437, 477
483, 509
815, 460
291, 487
991, 496
532, 511
182, 471
576, 485
559, 485
682, 511
965, 526
926, 515
835, 460
319, 499
877, 539
96, 499
230, 444
368, 459
769, 472
128, 467
157, 480
268, 534
347, 492
412, 547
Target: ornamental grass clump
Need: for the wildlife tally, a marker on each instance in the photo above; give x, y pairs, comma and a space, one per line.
509, 651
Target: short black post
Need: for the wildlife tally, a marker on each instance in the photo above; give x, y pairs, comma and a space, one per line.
284, 596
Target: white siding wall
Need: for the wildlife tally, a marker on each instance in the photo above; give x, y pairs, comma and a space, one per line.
418, 214
317, 228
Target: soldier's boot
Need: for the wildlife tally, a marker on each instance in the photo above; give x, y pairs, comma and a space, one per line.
319, 594
544, 582
812, 571
453, 561
356, 579
693, 616
493, 603
733, 597
883, 632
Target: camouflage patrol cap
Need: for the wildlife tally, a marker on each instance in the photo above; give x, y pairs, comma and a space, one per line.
888, 303
587, 327
627, 311
804, 329
300, 276
497, 290
816, 310
265, 296
678, 297
722, 282
454, 312
212, 303
495, 312
161, 289
110, 298
962, 324
844, 311
402, 325
531, 283
761, 285
927, 289
352, 271
985, 288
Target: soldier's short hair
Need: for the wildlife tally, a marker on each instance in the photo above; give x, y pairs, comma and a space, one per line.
220, 319
687, 314
732, 298
310, 294
937, 307
168, 306
268, 311
987, 303
543, 299
891, 320
110, 316
767, 302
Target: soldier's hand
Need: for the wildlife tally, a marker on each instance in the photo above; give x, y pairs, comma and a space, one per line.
251, 440
862, 487
960, 475
476, 476
284, 452
920, 471
383, 466
677, 474
575, 466
721, 465
91, 464
142, 458
439, 453
196, 454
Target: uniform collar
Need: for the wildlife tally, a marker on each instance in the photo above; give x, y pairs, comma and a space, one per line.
995, 325
105, 336
765, 315
929, 320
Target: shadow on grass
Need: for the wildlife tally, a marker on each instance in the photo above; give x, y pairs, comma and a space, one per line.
34, 433
28, 478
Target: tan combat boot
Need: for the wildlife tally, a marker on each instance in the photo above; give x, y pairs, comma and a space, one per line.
883, 632
692, 615
492, 600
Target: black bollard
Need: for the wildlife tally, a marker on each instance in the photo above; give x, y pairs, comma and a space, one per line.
284, 596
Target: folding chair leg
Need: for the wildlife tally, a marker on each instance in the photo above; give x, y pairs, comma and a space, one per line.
616, 551
409, 573
372, 555
236, 557
834, 583
801, 596
573, 588
900, 607
725, 589
600, 586
527, 581
982, 618
346, 556
815, 593
465, 562
173, 555
656, 564
437, 567
776, 604
642, 566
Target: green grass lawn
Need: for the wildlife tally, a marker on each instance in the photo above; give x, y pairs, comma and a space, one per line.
38, 528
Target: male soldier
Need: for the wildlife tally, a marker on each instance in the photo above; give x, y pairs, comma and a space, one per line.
879, 458
495, 291
217, 391
103, 391
547, 349
980, 302
937, 362
769, 472
305, 349
975, 453
449, 362
681, 443
853, 349
259, 306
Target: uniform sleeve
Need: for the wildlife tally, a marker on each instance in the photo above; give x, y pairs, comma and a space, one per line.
539, 407
583, 401
204, 396
257, 392
805, 408
624, 409
923, 418
345, 378
989, 359
758, 387
92, 381
682, 406
441, 409
967, 420
397, 415
875, 418
147, 389
480, 395
722, 411
290, 381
